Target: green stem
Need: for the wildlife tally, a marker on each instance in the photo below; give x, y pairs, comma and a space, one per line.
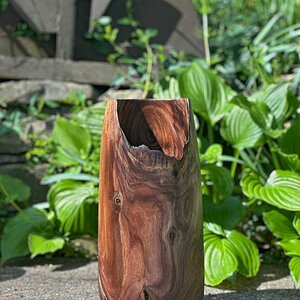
247, 160
274, 156
149, 70
117, 48
15, 205
255, 157
12, 202
234, 163
211, 135
255, 168
231, 159
205, 37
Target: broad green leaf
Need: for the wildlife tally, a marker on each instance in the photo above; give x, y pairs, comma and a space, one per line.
219, 178
227, 252
291, 247
73, 176
219, 261
92, 118
277, 98
260, 114
208, 93
294, 266
240, 130
227, 213
14, 241
259, 111
288, 161
212, 154
72, 143
170, 92
40, 244
296, 222
280, 225
13, 189
282, 189
214, 228
289, 147
75, 206
246, 253
290, 141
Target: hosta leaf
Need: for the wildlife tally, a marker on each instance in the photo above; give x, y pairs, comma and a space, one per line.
41, 244
296, 222
227, 213
92, 118
214, 228
74, 176
291, 247
294, 266
280, 225
281, 190
220, 261
246, 252
290, 141
212, 154
13, 189
170, 92
288, 161
240, 130
15, 234
277, 98
227, 252
72, 143
208, 93
259, 111
220, 179
289, 147
75, 206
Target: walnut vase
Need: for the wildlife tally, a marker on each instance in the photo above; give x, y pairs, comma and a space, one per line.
150, 209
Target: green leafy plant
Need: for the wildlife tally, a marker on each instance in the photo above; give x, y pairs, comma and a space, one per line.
251, 43
29, 225
252, 132
71, 210
21, 232
286, 227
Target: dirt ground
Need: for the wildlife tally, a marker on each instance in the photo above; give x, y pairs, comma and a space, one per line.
66, 279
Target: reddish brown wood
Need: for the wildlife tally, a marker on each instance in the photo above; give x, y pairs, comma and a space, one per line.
150, 209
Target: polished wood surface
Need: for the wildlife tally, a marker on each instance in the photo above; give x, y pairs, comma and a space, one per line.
150, 209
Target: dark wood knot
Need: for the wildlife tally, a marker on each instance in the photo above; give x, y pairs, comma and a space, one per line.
118, 201
172, 235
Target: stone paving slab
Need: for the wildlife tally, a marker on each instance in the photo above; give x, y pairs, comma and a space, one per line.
66, 279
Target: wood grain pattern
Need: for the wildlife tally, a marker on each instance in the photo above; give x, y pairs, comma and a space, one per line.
150, 209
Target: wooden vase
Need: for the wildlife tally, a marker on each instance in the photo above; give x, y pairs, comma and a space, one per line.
150, 207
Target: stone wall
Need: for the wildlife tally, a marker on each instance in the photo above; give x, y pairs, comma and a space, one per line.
67, 55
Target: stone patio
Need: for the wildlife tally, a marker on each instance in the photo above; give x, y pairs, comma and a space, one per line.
62, 279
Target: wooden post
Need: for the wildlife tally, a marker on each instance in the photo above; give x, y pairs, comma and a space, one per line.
150, 209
